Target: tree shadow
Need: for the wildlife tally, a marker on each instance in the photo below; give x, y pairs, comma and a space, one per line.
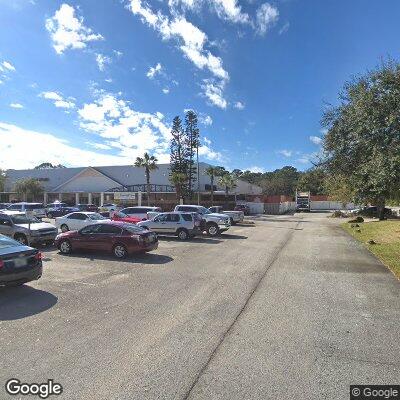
24, 301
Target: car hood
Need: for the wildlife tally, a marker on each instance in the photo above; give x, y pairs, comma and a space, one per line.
36, 227
217, 215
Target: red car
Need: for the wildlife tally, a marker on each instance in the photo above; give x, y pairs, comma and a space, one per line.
120, 238
120, 216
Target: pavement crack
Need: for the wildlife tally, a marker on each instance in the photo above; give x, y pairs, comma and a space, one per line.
242, 309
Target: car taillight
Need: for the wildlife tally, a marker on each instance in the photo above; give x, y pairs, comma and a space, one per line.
38, 256
1, 263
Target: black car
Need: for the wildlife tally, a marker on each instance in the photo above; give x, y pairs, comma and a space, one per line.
372, 211
87, 207
61, 211
18, 264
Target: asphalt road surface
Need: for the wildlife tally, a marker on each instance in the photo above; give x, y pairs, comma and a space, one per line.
291, 308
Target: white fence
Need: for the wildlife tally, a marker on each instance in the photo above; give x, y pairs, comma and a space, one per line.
330, 205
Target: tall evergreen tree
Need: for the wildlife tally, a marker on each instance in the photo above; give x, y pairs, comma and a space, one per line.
178, 157
192, 142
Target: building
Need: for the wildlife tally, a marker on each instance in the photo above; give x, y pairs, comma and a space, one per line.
123, 183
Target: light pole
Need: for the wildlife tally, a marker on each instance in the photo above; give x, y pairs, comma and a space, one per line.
198, 175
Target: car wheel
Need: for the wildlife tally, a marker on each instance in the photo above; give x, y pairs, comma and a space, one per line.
183, 234
64, 228
22, 239
120, 251
212, 229
49, 215
65, 247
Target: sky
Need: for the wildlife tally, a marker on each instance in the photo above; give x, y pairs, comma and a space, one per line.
98, 82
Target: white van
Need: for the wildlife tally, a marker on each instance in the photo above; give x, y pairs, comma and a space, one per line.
38, 210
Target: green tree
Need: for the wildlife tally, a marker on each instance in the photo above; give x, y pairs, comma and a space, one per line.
282, 181
339, 188
313, 181
192, 142
149, 164
228, 181
29, 189
48, 165
178, 157
362, 140
214, 172
179, 180
2, 180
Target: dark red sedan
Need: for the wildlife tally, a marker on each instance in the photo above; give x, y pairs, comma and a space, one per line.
120, 238
120, 216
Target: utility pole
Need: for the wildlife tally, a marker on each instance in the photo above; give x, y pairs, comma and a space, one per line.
198, 175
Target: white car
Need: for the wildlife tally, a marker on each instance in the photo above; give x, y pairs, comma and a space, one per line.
141, 211
78, 220
37, 209
109, 207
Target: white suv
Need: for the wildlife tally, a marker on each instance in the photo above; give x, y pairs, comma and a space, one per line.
213, 223
140, 211
38, 210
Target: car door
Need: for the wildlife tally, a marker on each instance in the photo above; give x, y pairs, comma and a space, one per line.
86, 237
6, 226
158, 224
173, 223
76, 221
104, 237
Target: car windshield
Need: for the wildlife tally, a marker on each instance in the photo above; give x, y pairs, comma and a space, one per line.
203, 210
23, 219
96, 217
7, 242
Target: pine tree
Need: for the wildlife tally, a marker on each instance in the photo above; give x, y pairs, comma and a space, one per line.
178, 157
192, 142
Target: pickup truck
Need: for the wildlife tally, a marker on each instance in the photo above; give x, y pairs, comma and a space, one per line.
235, 216
212, 223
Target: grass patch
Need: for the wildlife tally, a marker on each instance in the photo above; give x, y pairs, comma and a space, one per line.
386, 235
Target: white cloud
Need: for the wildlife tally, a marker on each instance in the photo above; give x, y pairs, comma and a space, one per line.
99, 146
102, 60
58, 100
165, 90
266, 16
205, 120
118, 53
214, 93
22, 148
285, 153
284, 28
191, 39
316, 140
255, 169
68, 31
7, 66
108, 80
153, 71
239, 105
16, 105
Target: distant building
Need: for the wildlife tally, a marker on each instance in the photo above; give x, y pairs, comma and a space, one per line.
100, 185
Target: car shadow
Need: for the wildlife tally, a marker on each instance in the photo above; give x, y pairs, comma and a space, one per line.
230, 236
24, 301
197, 239
138, 258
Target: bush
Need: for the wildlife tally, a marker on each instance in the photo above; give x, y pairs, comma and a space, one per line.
356, 220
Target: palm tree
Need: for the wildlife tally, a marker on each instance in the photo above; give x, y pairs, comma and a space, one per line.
228, 181
212, 172
178, 179
149, 164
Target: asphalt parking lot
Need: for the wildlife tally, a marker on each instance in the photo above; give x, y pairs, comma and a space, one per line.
288, 308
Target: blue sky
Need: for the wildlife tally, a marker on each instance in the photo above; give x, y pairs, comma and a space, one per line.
98, 82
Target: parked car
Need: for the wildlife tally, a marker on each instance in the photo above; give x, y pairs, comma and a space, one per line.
18, 263
55, 205
87, 207
4, 206
372, 211
78, 220
243, 207
120, 216
235, 216
109, 207
140, 211
213, 223
183, 225
37, 209
120, 238
61, 211
26, 229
